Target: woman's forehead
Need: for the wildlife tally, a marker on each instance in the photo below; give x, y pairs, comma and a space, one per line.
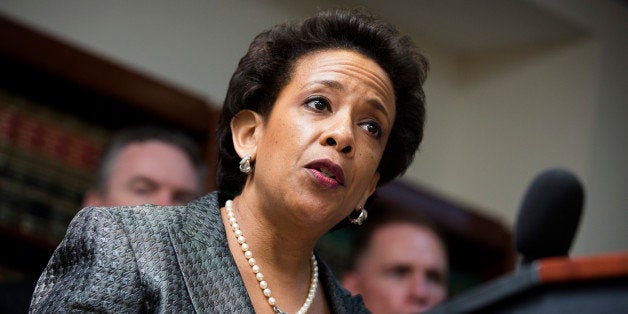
325, 65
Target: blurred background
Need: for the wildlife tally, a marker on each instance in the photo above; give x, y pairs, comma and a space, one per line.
516, 87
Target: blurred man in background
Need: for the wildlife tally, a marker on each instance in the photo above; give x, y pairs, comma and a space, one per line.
399, 263
147, 165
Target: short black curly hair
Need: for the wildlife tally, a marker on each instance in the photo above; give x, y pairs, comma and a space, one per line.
268, 65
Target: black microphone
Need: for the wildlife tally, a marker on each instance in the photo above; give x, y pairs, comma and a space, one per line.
549, 215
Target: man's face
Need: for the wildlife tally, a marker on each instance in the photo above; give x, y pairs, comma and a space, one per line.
151, 172
404, 270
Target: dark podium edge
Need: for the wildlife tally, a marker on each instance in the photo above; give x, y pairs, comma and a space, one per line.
549, 271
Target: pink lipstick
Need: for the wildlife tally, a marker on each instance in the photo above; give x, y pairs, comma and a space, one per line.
326, 173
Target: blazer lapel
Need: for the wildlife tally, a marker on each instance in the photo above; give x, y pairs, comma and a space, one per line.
211, 276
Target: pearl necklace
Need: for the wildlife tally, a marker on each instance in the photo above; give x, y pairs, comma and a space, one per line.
256, 270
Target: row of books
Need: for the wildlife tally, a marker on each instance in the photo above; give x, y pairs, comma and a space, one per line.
40, 130
47, 159
38, 197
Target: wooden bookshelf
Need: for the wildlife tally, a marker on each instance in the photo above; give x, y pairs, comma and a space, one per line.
52, 90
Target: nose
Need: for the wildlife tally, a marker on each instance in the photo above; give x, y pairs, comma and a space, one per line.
340, 136
419, 291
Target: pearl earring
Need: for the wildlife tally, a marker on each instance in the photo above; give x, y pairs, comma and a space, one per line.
245, 164
363, 214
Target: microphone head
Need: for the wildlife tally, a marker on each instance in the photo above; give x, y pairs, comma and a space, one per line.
549, 215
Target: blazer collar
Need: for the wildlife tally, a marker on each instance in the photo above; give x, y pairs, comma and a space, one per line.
210, 273
205, 260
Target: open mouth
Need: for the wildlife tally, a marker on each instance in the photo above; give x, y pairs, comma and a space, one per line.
328, 170
327, 173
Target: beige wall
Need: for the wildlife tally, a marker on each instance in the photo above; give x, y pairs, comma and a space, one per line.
494, 120
508, 120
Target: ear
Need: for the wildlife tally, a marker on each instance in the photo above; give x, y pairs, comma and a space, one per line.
246, 127
371, 189
351, 281
92, 199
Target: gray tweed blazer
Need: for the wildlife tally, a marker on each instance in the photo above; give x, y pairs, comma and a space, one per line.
154, 259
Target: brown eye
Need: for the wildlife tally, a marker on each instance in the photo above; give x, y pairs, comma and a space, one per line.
399, 271
372, 128
318, 104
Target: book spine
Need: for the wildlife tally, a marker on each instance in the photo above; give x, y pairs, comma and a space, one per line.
47, 160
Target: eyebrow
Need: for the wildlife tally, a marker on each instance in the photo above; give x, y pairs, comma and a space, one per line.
377, 105
141, 179
329, 83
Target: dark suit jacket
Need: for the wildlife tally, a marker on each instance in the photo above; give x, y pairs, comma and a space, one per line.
154, 259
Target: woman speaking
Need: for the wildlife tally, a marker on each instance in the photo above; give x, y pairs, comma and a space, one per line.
318, 113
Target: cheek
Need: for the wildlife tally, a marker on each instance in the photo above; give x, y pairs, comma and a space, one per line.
387, 291
282, 127
370, 150
439, 299
368, 161
374, 159
279, 144
439, 293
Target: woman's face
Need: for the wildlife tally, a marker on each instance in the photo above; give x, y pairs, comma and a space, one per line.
320, 147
